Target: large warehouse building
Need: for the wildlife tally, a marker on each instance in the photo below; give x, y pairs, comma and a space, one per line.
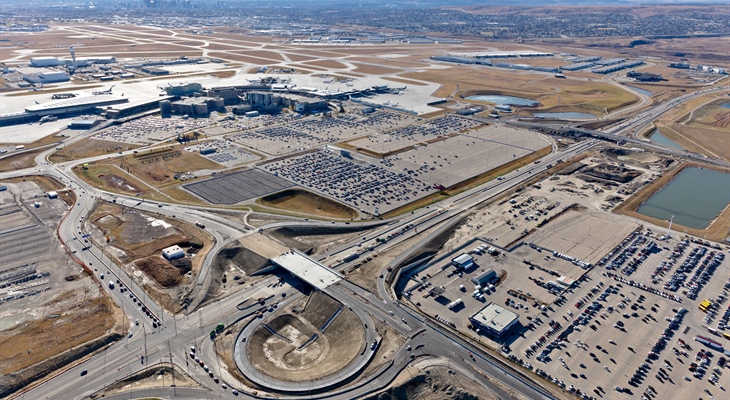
494, 319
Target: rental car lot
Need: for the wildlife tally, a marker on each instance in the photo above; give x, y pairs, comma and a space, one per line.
636, 337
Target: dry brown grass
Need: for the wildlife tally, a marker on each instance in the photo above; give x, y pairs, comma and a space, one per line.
389, 62
269, 55
684, 125
326, 64
553, 93
38, 340
298, 57
406, 81
234, 56
375, 69
88, 148
18, 161
308, 203
147, 169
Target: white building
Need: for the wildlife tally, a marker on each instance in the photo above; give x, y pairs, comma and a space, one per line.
495, 319
173, 252
45, 62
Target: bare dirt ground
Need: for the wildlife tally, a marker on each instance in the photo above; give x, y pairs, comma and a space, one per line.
302, 356
63, 334
424, 380
263, 245
157, 376
232, 270
135, 239
317, 240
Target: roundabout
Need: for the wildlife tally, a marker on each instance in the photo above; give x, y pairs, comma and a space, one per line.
308, 344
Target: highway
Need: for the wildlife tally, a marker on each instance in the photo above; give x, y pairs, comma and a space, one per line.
162, 337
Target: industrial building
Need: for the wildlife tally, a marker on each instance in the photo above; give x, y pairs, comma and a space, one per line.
154, 71
504, 54
585, 59
617, 67
230, 95
486, 276
609, 61
131, 108
680, 65
272, 103
74, 104
463, 261
494, 319
63, 107
644, 76
173, 253
577, 66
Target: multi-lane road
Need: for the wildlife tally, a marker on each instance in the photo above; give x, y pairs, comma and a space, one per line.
163, 337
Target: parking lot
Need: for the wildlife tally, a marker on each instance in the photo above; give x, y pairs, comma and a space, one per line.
358, 183
152, 128
238, 186
621, 335
226, 152
623, 326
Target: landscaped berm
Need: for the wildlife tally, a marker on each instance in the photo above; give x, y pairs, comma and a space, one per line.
309, 203
307, 340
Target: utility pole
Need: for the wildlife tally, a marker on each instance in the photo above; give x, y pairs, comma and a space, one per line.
669, 230
174, 387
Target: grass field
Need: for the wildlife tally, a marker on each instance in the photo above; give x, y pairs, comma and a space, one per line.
308, 203
699, 125
88, 148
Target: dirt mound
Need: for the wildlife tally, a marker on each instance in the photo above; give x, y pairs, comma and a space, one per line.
605, 173
161, 271
243, 258
427, 387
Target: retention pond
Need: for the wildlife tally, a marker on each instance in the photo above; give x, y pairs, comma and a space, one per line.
694, 197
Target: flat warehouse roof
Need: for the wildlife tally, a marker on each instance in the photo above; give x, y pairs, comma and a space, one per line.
495, 317
307, 269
